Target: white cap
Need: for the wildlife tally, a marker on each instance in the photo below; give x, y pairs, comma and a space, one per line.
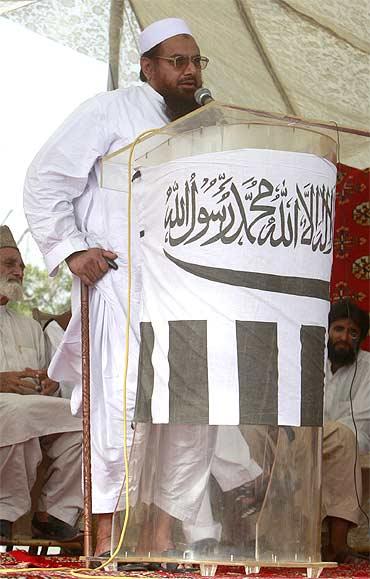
161, 30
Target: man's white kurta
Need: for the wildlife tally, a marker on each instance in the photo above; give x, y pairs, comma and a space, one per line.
67, 212
25, 423
350, 383
23, 417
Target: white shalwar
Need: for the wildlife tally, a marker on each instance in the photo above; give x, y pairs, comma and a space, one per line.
68, 211
232, 466
26, 423
350, 382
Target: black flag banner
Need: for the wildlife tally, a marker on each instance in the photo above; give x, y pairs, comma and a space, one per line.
236, 259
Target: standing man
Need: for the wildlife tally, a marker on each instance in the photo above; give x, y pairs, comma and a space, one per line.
347, 424
73, 219
33, 419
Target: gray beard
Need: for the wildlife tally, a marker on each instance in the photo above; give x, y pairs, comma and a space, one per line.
13, 290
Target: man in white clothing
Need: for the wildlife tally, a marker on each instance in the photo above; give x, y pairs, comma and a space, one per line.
347, 424
74, 219
33, 419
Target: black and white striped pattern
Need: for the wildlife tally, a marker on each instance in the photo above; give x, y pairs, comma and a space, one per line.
257, 375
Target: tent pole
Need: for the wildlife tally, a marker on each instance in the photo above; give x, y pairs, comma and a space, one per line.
115, 33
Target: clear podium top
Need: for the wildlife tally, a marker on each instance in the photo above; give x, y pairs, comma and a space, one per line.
215, 128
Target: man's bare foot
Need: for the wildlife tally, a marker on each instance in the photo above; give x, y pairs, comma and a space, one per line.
104, 533
144, 543
162, 531
344, 557
337, 548
156, 532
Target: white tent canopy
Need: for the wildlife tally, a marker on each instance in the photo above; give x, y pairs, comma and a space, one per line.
305, 58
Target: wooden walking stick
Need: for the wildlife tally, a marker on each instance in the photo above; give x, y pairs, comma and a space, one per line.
86, 435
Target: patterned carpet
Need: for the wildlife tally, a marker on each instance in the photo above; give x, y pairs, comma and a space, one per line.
23, 566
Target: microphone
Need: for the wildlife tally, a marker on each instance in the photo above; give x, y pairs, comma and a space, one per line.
203, 96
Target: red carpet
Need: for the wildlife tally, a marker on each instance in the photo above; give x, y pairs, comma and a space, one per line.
17, 563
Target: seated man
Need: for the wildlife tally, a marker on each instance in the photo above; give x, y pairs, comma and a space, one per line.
347, 424
33, 418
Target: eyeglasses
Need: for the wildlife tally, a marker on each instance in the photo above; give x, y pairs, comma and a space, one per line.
184, 61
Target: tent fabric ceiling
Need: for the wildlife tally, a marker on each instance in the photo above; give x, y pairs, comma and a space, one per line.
9, 5
307, 58
77, 24
85, 26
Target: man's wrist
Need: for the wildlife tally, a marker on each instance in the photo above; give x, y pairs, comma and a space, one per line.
74, 254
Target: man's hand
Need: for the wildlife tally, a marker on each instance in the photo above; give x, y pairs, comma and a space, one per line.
17, 383
48, 387
90, 265
45, 386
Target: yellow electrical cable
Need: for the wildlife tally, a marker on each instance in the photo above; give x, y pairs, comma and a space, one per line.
79, 572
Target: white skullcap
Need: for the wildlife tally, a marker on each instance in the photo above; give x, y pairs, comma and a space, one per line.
161, 30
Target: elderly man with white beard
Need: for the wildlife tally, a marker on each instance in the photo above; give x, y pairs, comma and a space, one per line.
33, 419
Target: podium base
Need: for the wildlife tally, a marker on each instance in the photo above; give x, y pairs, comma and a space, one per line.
209, 568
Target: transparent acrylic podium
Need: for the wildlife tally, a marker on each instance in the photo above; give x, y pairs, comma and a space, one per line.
232, 217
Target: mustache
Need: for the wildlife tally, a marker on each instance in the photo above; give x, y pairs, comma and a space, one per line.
187, 79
